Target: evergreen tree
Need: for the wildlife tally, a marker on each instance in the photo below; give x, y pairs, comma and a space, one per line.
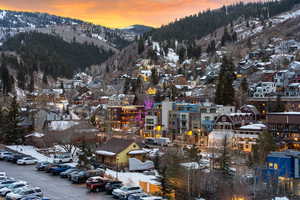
226, 37
279, 105
6, 80
181, 54
45, 79
154, 76
224, 94
244, 85
141, 45
14, 134
31, 84
85, 155
265, 145
21, 79
225, 156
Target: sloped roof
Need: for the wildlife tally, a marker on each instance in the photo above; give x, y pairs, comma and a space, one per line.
115, 145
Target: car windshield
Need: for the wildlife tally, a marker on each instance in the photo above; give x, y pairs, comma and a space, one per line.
12, 186
81, 173
17, 190
124, 188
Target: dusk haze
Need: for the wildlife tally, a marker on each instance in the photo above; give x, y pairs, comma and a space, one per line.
118, 13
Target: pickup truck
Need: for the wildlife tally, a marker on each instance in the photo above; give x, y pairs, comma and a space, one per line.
96, 183
109, 187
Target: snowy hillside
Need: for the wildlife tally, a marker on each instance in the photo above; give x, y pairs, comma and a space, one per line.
13, 22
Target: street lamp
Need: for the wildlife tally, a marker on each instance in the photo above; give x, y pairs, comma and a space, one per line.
117, 173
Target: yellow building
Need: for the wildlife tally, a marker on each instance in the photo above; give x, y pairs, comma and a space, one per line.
116, 152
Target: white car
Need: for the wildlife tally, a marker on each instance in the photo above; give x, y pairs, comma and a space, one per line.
2, 175
5, 153
152, 198
26, 161
124, 192
4, 191
63, 158
24, 192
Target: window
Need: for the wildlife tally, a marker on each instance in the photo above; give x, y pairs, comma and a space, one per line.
203, 110
275, 166
271, 165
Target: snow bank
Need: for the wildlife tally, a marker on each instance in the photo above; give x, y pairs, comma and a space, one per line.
254, 126
30, 151
172, 56
74, 116
281, 198
132, 178
35, 134
62, 125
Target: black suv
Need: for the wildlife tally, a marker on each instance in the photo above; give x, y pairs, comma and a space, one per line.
110, 186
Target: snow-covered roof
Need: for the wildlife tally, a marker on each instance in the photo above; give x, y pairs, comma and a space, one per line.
294, 85
105, 153
281, 198
286, 113
254, 127
139, 151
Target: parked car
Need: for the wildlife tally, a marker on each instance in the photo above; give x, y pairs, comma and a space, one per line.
82, 176
110, 186
4, 191
40, 166
7, 183
63, 158
65, 174
16, 157
4, 154
27, 161
152, 198
58, 169
34, 197
8, 157
3, 175
49, 166
6, 179
73, 174
124, 192
137, 196
96, 183
24, 192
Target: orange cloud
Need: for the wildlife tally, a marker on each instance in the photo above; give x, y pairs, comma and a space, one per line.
117, 13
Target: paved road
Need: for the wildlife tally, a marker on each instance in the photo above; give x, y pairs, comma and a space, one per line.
53, 187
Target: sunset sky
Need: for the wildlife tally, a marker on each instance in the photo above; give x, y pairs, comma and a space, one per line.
117, 13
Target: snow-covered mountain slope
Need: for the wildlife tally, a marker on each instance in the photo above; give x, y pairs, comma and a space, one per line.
13, 22
137, 29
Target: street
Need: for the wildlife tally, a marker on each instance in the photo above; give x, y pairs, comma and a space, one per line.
53, 187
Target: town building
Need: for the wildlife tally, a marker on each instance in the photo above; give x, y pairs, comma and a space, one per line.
285, 127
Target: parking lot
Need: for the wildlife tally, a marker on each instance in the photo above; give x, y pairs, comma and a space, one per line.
53, 187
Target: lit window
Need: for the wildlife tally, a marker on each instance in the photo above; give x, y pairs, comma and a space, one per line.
275, 166
270, 165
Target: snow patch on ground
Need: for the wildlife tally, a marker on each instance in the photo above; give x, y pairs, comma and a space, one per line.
20, 93
172, 56
132, 178
2, 14
62, 125
30, 151
74, 116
